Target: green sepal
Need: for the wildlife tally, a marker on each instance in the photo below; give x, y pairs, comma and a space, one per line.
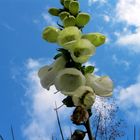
82, 19
68, 101
89, 69
74, 7
63, 15
57, 55
54, 11
69, 21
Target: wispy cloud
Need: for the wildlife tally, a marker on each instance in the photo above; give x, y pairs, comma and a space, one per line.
127, 11
41, 123
120, 61
49, 20
90, 2
7, 26
129, 98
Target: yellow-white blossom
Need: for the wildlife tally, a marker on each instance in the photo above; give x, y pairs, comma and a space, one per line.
68, 34
102, 86
69, 79
47, 74
83, 95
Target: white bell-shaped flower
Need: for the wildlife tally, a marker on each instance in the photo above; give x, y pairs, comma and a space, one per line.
47, 74
81, 50
102, 86
68, 34
69, 79
83, 95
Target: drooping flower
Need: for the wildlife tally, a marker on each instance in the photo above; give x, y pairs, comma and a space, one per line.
102, 86
81, 50
83, 95
47, 74
69, 79
68, 34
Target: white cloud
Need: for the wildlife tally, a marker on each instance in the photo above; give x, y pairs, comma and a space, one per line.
42, 123
120, 61
90, 2
49, 19
7, 26
127, 11
129, 100
106, 18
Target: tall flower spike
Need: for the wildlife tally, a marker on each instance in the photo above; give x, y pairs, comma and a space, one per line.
102, 86
83, 95
68, 34
81, 50
50, 34
96, 39
69, 79
47, 74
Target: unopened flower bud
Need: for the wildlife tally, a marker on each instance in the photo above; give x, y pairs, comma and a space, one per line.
50, 34
82, 19
74, 7
69, 21
63, 15
54, 11
96, 39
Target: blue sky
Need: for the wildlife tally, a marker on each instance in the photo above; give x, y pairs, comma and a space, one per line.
23, 103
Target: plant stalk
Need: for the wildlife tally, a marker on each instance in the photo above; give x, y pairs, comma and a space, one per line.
88, 128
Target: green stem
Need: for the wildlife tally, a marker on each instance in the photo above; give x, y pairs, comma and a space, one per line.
88, 128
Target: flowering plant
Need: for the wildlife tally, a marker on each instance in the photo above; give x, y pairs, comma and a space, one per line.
68, 73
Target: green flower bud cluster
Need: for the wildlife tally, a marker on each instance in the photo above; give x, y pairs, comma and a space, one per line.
70, 14
68, 73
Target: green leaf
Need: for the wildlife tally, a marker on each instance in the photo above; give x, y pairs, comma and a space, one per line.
58, 55
68, 101
89, 69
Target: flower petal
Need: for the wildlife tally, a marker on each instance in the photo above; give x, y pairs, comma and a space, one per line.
84, 95
47, 74
69, 79
102, 86
68, 34
81, 50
